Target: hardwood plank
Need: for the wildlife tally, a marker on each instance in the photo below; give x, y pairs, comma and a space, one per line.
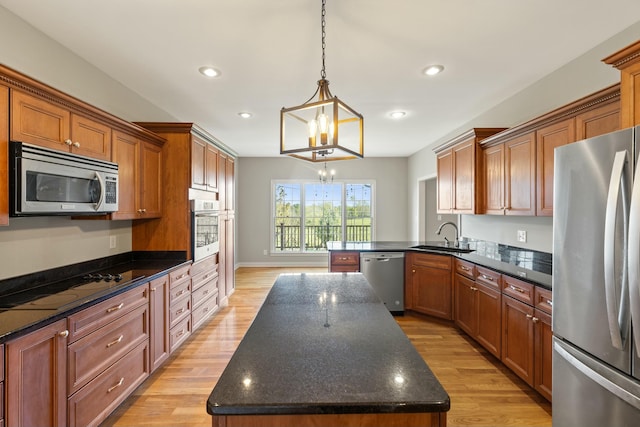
483, 391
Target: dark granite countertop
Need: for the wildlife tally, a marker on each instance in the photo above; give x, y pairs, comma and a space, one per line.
525, 264
18, 317
323, 343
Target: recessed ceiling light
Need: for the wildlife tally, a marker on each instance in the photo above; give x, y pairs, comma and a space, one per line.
210, 71
432, 70
397, 114
245, 114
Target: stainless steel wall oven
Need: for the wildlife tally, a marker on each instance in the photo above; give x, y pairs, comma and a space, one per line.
205, 228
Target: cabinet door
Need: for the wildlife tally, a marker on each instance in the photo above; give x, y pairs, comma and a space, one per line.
36, 381
489, 332
229, 258
229, 177
4, 155
198, 159
520, 175
151, 184
432, 291
222, 181
90, 138
445, 181
39, 122
493, 161
464, 159
159, 348
547, 139
466, 307
127, 154
211, 168
517, 338
543, 354
599, 121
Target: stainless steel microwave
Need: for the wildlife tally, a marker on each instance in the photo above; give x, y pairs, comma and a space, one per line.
49, 182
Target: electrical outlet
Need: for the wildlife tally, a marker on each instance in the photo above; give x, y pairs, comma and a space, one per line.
264, 252
112, 242
522, 236
439, 217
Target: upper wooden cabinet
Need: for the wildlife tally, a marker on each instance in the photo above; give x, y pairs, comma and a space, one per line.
40, 122
457, 164
204, 165
4, 153
627, 61
139, 179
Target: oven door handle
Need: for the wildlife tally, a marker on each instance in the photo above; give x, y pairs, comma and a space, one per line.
206, 214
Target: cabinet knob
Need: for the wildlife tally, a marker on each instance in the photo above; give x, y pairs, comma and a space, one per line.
76, 144
413, 271
68, 142
535, 319
529, 316
64, 333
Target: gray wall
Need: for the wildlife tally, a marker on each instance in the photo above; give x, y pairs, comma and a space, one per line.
34, 244
583, 76
254, 191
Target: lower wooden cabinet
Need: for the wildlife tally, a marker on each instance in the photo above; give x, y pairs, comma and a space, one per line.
159, 347
428, 279
518, 338
37, 381
344, 261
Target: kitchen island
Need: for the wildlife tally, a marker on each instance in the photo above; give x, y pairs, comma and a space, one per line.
324, 350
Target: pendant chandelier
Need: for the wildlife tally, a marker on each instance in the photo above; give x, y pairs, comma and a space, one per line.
324, 128
326, 176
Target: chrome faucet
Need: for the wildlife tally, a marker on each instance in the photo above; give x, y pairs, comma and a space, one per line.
454, 226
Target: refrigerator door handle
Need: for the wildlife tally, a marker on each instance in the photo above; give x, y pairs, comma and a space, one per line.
634, 260
617, 312
594, 376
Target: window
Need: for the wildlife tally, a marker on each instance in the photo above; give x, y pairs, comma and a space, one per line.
307, 215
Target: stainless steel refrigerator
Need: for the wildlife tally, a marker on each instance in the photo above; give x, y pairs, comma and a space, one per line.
596, 274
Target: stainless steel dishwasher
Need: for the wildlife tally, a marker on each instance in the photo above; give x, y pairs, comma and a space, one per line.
385, 273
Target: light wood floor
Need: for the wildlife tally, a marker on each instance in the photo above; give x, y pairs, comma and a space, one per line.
482, 391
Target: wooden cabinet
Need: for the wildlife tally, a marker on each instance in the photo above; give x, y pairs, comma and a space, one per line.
179, 307
543, 342
4, 155
140, 177
458, 173
159, 348
428, 278
627, 60
478, 305
599, 121
344, 261
517, 338
226, 259
38, 121
36, 384
204, 165
509, 177
2, 385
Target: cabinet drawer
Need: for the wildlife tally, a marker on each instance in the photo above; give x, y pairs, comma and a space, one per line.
465, 268
179, 291
86, 321
430, 260
205, 291
93, 403
203, 311
178, 310
206, 264
543, 299
178, 275
345, 258
203, 278
488, 277
522, 291
179, 333
92, 354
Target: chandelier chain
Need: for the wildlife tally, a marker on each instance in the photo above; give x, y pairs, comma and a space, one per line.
323, 25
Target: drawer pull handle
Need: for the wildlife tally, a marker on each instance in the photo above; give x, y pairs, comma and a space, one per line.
535, 319
110, 389
112, 343
206, 309
550, 302
153, 289
115, 308
474, 288
180, 311
64, 333
529, 316
179, 334
484, 276
182, 276
517, 289
180, 293
463, 268
205, 292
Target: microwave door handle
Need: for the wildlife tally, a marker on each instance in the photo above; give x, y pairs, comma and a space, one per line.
634, 259
102, 191
617, 312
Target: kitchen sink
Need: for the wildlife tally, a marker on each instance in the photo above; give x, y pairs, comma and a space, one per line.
443, 246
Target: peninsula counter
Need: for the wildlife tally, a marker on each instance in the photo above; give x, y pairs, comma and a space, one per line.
323, 350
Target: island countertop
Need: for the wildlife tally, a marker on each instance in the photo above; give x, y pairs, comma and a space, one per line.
323, 343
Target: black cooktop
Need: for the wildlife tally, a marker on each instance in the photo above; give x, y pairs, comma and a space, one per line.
62, 294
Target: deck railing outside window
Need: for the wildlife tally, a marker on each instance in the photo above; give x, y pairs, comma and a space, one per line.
316, 236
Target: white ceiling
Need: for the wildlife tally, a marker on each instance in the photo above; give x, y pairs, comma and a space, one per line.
269, 54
